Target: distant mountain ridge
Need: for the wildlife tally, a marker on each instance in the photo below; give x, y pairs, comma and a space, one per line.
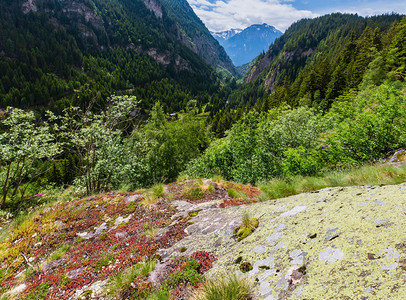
225, 35
244, 45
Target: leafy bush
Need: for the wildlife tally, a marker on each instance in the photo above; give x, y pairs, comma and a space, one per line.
254, 149
374, 124
302, 161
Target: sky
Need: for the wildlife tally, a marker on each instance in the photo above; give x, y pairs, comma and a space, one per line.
219, 15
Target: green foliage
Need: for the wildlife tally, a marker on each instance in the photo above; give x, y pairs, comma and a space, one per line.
161, 294
61, 59
169, 146
39, 293
105, 160
154, 194
158, 190
320, 59
253, 151
302, 161
374, 124
396, 56
58, 253
247, 227
360, 127
188, 274
236, 194
23, 142
105, 260
229, 288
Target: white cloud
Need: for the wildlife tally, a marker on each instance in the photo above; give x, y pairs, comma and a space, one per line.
221, 15
371, 8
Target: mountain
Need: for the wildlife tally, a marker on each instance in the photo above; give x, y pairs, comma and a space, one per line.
225, 35
62, 52
196, 36
244, 45
320, 58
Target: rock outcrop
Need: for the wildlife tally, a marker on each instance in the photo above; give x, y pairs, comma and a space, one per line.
336, 243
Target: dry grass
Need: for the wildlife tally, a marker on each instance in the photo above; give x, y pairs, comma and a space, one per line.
367, 175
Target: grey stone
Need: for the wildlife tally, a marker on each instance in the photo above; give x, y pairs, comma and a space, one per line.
297, 257
121, 235
259, 249
379, 202
279, 246
120, 220
273, 238
331, 255
391, 254
293, 212
132, 198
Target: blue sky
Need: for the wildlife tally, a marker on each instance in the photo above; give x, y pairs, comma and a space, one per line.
221, 15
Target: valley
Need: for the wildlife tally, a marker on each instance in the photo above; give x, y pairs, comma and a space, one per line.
144, 156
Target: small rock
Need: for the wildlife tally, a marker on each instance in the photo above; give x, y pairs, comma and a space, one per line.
273, 238
53, 264
293, 212
17, 290
331, 255
265, 288
260, 249
297, 257
121, 235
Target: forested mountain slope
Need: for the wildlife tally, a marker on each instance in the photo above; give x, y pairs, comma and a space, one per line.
196, 36
59, 52
317, 59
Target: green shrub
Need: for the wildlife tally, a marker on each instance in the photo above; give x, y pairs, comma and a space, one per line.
232, 193
188, 274
302, 161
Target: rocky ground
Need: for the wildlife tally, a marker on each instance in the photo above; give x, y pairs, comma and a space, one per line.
337, 243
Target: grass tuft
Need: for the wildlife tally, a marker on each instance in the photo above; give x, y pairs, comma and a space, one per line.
217, 178
121, 282
236, 194
232, 288
153, 195
58, 253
